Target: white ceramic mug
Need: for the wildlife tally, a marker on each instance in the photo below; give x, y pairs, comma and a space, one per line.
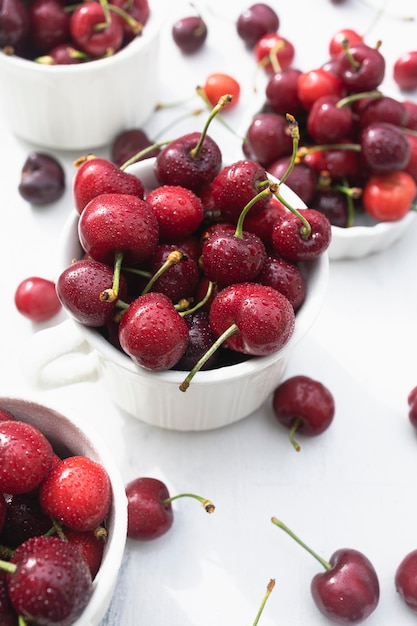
70, 352
83, 106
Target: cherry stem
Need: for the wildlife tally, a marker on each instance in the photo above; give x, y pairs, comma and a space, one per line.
354, 63
295, 136
21, 621
10, 568
233, 328
289, 532
375, 93
173, 258
105, 6
302, 152
268, 592
223, 101
306, 227
201, 303
73, 53
142, 153
110, 295
351, 193
294, 427
200, 92
207, 504
247, 208
136, 26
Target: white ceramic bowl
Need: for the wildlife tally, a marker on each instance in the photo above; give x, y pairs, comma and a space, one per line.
368, 237
84, 106
68, 436
215, 398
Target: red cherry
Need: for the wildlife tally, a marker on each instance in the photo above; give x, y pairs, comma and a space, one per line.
138, 12
36, 298
189, 33
361, 68
286, 278
152, 332
178, 210
405, 71
77, 492
348, 591
217, 85
274, 53
21, 446
314, 84
384, 148
24, 519
129, 143
328, 122
255, 22
339, 39
294, 242
412, 404
15, 23
149, 516
96, 176
389, 197
406, 580
42, 179
267, 138
49, 24
303, 405
96, 42
281, 92
90, 544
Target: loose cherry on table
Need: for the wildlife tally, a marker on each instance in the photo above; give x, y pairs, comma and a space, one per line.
304, 405
348, 591
405, 71
406, 580
189, 33
149, 508
412, 406
42, 179
35, 297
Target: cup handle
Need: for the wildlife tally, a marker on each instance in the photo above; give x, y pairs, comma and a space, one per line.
59, 356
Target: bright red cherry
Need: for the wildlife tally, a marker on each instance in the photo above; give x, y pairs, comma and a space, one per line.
389, 197
406, 580
219, 84
92, 33
405, 71
298, 240
36, 298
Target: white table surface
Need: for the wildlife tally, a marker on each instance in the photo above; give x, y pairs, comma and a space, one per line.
355, 485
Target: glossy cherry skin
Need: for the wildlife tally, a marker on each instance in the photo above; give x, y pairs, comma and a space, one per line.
138, 10
334, 206
384, 148
349, 592
49, 24
8, 615
176, 164
286, 278
178, 281
389, 197
337, 40
189, 33
281, 92
128, 143
42, 179
369, 72
153, 333
267, 138
304, 402
256, 21
406, 580
35, 298
329, 123
274, 45
24, 519
381, 109
178, 210
290, 242
201, 338
148, 515
405, 71
96, 176
264, 317
302, 178
315, 83
85, 35
116, 222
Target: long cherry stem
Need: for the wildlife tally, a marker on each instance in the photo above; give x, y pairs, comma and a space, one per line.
268, 592
207, 504
223, 101
289, 532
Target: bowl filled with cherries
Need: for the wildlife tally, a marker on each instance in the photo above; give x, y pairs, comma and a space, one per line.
57, 61
356, 160
63, 524
187, 282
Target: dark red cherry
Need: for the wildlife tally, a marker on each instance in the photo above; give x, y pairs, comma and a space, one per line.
406, 580
302, 178
267, 138
49, 24
384, 148
14, 23
296, 242
189, 33
333, 204
180, 279
149, 510
256, 21
286, 278
201, 338
42, 179
362, 68
130, 142
282, 92
328, 122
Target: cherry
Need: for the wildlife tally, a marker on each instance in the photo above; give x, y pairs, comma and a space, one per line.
24, 519
179, 277
348, 591
42, 179
389, 197
361, 68
21, 446
77, 492
62, 54
49, 24
380, 109
90, 544
334, 205
152, 332
178, 210
384, 148
406, 580
48, 581
274, 53
95, 176
315, 83
338, 41
296, 240
134, 17
281, 92
189, 33
411, 120
201, 338
267, 138
129, 143
261, 224
337, 160
83, 289
149, 508
302, 178
35, 298
412, 404
328, 122
94, 32
256, 21
5, 416
412, 163
218, 84
405, 71
286, 278
116, 223
14, 23
304, 405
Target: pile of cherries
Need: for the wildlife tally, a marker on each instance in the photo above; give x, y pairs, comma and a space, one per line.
53, 511
204, 270
358, 149
58, 32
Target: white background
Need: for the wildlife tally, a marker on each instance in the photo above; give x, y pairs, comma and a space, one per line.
355, 485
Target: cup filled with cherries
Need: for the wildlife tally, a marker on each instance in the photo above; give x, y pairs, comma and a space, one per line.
187, 283
58, 59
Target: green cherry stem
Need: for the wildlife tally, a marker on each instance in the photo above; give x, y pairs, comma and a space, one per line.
21, 621
306, 227
143, 153
291, 435
289, 532
201, 303
247, 207
173, 258
375, 93
295, 136
233, 328
200, 92
111, 294
226, 99
268, 592
10, 568
136, 26
207, 504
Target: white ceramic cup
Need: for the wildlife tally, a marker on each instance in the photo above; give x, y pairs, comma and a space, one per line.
70, 352
69, 436
83, 106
